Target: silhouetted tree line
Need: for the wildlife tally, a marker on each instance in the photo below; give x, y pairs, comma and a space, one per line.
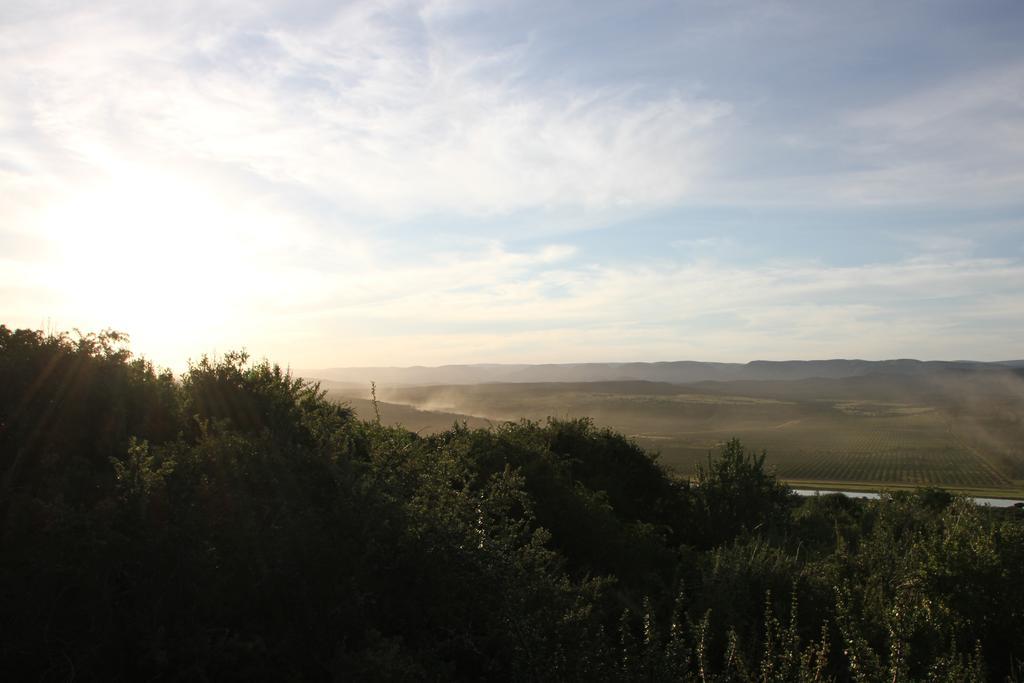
234, 524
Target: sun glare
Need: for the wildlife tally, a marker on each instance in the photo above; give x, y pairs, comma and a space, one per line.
151, 255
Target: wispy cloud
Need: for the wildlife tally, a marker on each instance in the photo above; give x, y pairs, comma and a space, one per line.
960, 141
697, 310
389, 182
384, 114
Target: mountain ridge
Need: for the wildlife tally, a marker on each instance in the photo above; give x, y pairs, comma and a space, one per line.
673, 372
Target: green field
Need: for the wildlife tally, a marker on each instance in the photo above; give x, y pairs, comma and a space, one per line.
929, 438
914, 450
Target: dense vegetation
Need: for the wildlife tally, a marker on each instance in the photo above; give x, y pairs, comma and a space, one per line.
235, 524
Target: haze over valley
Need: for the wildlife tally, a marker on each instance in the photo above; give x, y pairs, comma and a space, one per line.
833, 423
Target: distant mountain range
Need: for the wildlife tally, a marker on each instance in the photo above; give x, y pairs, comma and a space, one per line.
676, 372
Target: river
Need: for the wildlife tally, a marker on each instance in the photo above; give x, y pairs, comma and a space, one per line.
994, 502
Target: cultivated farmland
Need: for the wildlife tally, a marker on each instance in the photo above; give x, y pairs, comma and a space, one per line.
866, 433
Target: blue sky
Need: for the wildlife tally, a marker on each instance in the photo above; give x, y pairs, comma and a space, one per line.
396, 183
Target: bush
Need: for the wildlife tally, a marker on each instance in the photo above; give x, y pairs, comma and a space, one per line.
735, 495
235, 524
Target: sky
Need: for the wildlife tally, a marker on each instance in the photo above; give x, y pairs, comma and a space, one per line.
419, 183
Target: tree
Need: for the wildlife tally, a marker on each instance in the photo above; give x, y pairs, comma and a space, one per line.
736, 495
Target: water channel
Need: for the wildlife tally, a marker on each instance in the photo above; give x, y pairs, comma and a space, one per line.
994, 502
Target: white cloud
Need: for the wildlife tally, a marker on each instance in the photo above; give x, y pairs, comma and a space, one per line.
493, 305
233, 170
960, 141
387, 124
931, 109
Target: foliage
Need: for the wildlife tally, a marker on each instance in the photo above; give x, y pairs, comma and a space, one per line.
235, 524
737, 496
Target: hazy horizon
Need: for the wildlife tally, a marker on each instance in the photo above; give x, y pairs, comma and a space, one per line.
590, 377
402, 183
680, 360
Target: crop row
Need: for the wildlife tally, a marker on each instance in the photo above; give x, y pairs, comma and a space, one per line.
943, 466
